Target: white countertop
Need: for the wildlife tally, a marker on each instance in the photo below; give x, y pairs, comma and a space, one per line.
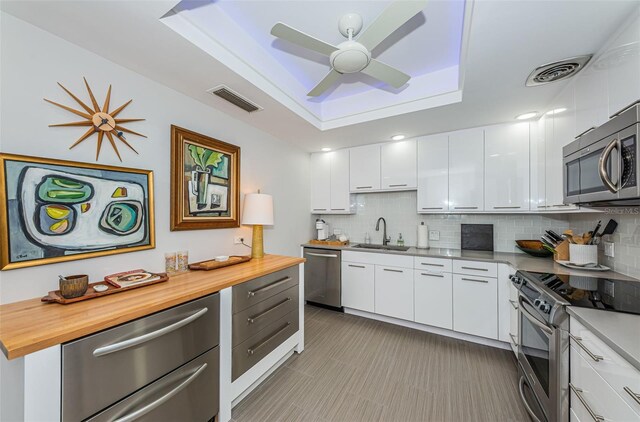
619, 331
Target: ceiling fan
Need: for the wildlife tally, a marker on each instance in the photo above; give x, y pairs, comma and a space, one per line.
353, 56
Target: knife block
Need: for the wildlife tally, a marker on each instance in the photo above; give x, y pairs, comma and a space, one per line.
562, 251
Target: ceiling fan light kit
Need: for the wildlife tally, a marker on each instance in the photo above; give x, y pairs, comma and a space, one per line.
354, 56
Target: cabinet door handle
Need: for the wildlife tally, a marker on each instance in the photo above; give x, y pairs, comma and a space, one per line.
476, 280
116, 347
465, 208
507, 208
393, 271
585, 132
514, 304
252, 293
322, 255
633, 395
432, 265
433, 275
398, 185
578, 393
319, 209
253, 319
364, 187
338, 209
474, 268
252, 350
431, 208
357, 266
578, 341
154, 404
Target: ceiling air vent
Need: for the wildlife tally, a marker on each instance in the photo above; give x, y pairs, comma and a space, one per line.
234, 98
558, 70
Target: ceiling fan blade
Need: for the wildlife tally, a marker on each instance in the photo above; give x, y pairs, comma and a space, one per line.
386, 73
325, 83
290, 34
392, 18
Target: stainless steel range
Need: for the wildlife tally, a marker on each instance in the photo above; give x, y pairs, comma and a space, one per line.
543, 349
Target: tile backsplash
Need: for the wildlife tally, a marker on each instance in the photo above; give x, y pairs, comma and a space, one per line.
626, 238
399, 210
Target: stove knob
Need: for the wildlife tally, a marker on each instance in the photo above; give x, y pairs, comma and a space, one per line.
537, 303
544, 307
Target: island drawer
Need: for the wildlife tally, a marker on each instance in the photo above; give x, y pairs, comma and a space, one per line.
254, 291
256, 347
189, 393
103, 368
254, 319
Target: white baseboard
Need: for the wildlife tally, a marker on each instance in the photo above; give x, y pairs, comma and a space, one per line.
430, 329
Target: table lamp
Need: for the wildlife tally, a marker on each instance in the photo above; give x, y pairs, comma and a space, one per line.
258, 211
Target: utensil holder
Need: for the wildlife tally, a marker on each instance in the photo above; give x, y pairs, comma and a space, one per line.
74, 286
583, 254
562, 251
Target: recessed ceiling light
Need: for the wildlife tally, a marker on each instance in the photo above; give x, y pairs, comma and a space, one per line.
326, 149
397, 137
556, 111
526, 116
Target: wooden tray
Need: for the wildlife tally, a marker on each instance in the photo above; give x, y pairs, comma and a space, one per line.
55, 296
212, 264
329, 242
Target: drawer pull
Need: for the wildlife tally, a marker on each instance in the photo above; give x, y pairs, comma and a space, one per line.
465, 208
433, 275
338, 209
154, 404
633, 395
364, 187
357, 266
393, 271
578, 341
514, 304
398, 185
116, 347
252, 293
432, 208
474, 268
253, 319
476, 280
319, 209
431, 265
322, 255
252, 350
506, 208
514, 339
578, 393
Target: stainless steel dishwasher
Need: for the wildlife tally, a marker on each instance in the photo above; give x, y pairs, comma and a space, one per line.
322, 277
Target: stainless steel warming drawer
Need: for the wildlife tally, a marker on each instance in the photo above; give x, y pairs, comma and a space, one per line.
265, 314
102, 369
261, 288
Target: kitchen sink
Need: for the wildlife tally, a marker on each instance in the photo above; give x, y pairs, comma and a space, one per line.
381, 247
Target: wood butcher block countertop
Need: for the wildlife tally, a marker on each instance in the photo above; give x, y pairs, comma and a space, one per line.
31, 325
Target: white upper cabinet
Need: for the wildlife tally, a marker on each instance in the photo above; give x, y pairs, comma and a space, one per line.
398, 165
340, 197
330, 183
560, 133
506, 154
590, 99
433, 173
364, 166
537, 164
466, 170
320, 182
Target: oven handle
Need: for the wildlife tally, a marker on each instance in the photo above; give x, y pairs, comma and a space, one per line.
532, 318
602, 170
524, 400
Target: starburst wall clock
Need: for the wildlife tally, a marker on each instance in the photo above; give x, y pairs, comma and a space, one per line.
100, 121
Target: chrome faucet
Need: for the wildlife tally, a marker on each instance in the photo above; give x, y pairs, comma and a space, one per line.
385, 239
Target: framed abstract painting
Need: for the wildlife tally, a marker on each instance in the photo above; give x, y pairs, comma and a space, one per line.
205, 182
54, 210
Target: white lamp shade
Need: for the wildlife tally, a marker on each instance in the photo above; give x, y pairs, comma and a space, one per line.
258, 209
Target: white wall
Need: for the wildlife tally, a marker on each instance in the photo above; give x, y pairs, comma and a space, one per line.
32, 61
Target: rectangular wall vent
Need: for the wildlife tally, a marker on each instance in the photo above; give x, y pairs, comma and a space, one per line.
234, 98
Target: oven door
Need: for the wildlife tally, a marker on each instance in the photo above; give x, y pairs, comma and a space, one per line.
537, 341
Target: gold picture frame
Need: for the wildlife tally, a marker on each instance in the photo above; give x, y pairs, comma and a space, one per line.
205, 182
56, 210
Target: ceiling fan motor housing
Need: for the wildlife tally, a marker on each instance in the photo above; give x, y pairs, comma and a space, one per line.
351, 57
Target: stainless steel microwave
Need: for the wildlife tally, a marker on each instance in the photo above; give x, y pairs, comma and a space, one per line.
601, 167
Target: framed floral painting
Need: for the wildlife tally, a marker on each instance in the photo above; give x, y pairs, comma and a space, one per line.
205, 182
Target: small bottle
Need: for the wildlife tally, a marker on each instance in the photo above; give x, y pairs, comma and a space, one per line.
400, 240
367, 238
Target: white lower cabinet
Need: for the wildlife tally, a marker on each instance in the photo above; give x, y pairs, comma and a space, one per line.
358, 286
394, 292
433, 301
475, 305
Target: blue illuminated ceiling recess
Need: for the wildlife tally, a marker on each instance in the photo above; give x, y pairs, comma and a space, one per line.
429, 47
